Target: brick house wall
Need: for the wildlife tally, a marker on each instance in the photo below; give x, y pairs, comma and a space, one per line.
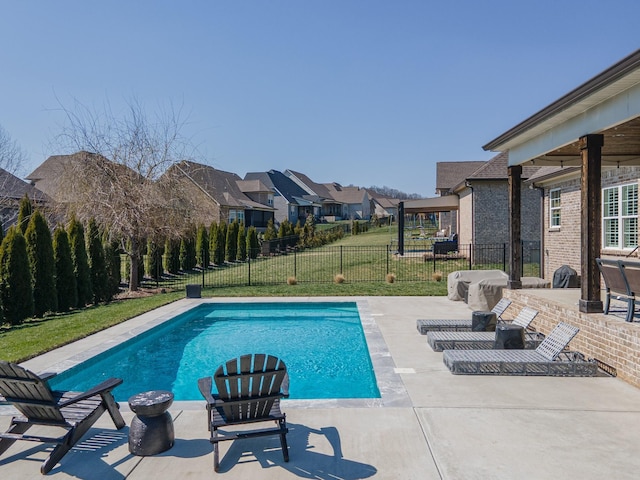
562, 244
484, 216
606, 338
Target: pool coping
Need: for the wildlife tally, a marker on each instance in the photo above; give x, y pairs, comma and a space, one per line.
392, 390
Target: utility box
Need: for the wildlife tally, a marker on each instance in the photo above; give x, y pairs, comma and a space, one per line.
194, 291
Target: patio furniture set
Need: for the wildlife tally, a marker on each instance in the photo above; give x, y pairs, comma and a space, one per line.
249, 391
471, 352
622, 281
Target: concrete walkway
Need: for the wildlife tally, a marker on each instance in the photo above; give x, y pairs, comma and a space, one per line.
449, 427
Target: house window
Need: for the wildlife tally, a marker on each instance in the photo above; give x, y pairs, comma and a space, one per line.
620, 216
236, 215
554, 208
270, 200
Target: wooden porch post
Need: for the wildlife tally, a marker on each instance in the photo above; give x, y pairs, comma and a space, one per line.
515, 250
590, 224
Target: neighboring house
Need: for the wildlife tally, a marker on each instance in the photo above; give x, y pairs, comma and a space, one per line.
383, 207
355, 201
290, 200
330, 209
561, 231
448, 176
51, 176
483, 215
12, 190
221, 198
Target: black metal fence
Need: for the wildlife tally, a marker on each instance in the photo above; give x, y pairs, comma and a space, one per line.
353, 263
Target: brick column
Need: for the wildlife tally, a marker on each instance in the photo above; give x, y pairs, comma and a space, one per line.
591, 221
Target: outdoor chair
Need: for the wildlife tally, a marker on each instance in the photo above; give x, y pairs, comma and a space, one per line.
547, 359
249, 391
75, 412
459, 325
440, 341
621, 281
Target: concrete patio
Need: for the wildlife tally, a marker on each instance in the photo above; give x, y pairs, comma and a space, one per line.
438, 426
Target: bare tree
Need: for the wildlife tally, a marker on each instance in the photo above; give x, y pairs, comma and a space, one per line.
11, 155
114, 176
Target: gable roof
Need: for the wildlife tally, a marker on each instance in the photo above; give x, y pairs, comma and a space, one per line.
311, 187
450, 174
222, 187
348, 195
497, 169
253, 186
14, 188
51, 175
285, 186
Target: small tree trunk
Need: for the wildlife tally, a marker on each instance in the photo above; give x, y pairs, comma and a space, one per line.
133, 272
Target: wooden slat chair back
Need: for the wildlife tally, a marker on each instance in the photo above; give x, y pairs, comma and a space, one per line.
557, 341
76, 412
249, 390
249, 385
29, 394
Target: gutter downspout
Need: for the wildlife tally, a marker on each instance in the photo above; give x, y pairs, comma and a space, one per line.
542, 227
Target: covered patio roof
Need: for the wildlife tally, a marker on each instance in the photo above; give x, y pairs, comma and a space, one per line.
597, 124
445, 203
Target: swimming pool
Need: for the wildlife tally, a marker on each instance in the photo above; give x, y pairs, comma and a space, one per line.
322, 343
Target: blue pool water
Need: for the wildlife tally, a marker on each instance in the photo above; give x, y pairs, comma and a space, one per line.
322, 344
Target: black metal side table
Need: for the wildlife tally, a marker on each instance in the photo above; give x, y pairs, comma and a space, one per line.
509, 337
151, 429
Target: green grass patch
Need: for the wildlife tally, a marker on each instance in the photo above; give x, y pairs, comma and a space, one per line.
39, 335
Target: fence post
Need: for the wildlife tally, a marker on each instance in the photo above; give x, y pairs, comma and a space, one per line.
340, 259
504, 257
388, 252
433, 249
295, 263
249, 269
470, 248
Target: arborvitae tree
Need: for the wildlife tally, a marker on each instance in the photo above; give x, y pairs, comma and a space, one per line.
270, 233
232, 242
25, 210
171, 256
187, 254
97, 263
154, 260
65, 278
253, 246
113, 264
309, 230
241, 253
16, 294
221, 244
80, 263
41, 262
202, 247
213, 241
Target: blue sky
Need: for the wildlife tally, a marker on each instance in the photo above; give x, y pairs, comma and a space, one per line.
362, 92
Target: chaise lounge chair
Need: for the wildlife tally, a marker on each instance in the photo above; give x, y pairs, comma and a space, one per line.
249, 391
458, 325
547, 359
440, 341
75, 412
